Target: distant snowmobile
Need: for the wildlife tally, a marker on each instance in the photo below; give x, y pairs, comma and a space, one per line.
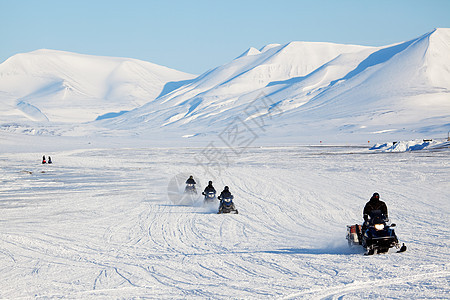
376, 237
190, 186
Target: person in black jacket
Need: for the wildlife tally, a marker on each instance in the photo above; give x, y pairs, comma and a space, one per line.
209, 188
375, 204
225, 194
229, 205
190, 180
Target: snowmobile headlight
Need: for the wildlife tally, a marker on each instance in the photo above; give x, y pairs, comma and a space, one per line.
379, 226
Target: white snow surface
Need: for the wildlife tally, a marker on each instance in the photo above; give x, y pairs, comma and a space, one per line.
103, 223
106, 219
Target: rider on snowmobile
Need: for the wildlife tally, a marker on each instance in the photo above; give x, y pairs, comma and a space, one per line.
209, 189
374, 204
190, 185
190, 180
225, 194
226, 202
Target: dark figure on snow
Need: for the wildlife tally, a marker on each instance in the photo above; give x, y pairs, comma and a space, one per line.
190, 186
225, 194
374, 204
226, 202
49, 160
43, 160
190, 180
209, 189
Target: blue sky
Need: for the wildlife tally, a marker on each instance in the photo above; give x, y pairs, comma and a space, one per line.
194, 36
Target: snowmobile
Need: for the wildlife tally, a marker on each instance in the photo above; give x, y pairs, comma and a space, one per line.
376, 236
227, 206
210, 197
190, 189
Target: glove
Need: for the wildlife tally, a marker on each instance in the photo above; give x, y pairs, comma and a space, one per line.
366, 218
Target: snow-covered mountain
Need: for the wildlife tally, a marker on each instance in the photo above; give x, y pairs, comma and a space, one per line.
218, 95
49, 85
301, 91
314, 88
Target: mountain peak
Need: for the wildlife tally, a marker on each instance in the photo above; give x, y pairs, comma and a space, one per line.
443, 34
250, 51
268, 47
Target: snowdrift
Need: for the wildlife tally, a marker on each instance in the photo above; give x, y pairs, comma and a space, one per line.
404, 146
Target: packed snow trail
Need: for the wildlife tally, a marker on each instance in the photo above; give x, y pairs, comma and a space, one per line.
100, 223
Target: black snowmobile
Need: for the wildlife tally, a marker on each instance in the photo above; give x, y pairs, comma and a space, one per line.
375, 236
210, 197
227, 206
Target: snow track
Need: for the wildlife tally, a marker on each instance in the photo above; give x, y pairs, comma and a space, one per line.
99, 223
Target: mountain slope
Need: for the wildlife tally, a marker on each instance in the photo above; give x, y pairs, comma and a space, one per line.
69, 87
319, 88
224, 88
300, 91
404, 83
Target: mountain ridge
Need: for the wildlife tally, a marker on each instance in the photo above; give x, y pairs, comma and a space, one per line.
308, 88
53, 79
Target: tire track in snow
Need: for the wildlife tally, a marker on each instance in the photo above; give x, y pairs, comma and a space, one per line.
342, 290
178, 252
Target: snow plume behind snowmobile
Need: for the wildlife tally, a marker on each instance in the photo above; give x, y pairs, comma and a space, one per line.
180, 193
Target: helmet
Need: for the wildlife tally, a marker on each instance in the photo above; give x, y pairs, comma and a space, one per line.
210, 182
226, 188
376, 196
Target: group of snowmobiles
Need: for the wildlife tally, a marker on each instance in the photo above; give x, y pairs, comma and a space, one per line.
376, 235
226, 204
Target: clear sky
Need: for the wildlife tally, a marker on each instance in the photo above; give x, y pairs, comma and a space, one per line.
197, 35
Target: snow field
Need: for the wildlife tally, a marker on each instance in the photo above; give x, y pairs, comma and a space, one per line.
99, 223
